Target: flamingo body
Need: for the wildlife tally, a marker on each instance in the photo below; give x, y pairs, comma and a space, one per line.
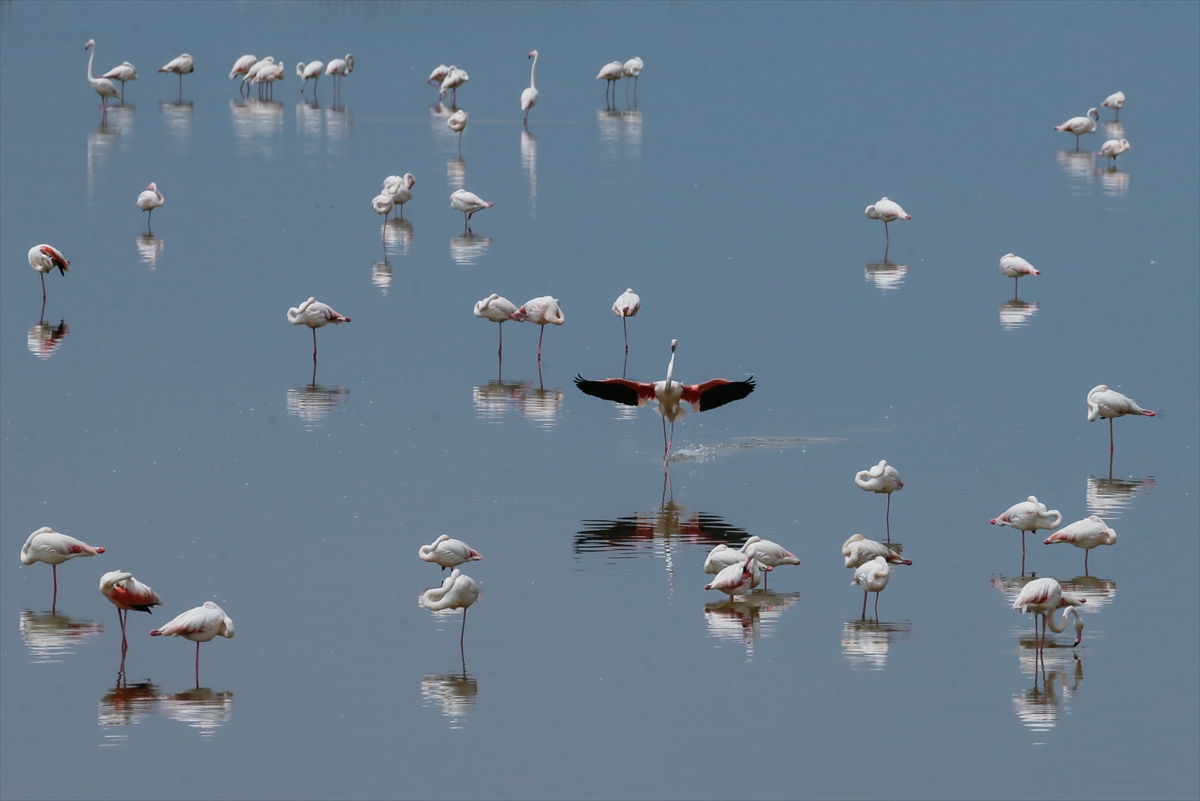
769, 553
382, 203
1115, 101
1029, 515
457, 122
632, 69
1105, 404
201, 624
47, 545
400, 188
123, 73
126, 593
311, 70
46, 258
627, 304
242, 65
736, 579
722, 557
498, 310
438, 75
887, 211
1089, 533
448, 552
882, 478
340, 66
149, 200
314, 314
1014, 266
180, 65
454, 78
458, 591
873, 577
858, 550
468, 203
1113, 148
1040, 598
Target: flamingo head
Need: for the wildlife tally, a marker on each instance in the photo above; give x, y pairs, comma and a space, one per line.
1094, 114
90, 43
674, 343
532, 54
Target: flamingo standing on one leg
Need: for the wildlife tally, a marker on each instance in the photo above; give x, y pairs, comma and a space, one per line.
1113, 148
669, 393
126, 593
1014, 267
149, 200
541, 311
627, 304
859, 550
872, 577
1115, 101
122, 73
887, 211
1041, 597
314, 314
1108, 404
1028, 515
529, 96
458, 591
103, 86
1089, 533
1080, 125
881, 478
44, 259
448, 552
468, 203
457, 122
498, 310
199, 625
180, 65
769, 554
382, 204
47, 545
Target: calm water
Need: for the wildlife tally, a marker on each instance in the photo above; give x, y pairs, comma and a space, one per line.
163, 408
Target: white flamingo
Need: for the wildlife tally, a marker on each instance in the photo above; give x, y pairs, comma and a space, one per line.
123, 73
126, 593
770, 554
448, 552
736, 579
1028, 515
859, 550
242, 65
1088, 533
627, 304
872, 577
1113, 148
266, 77
888, 211
611, 72
457, 122
498, 310
149, 200
47, 545
311, 70
632, 69
400, 188
339, 68
1080, 125
1041, 597
468, 203
529, 97
103, 86
541, 311
254, 69
882, 478
454, 79
382, 203
180, 65
1107, 404
458, 591
1115, 101
438, 75
1014, 267
201, 624
44, 259
314, 314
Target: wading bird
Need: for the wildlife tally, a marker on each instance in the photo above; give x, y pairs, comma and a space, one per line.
736, 579
468, 203
887, 211
872, 577
529, 97
126, 593
1028, 515
339, 68
448, 552
400, 188
881, 478
180, 65
458, 591
1089, 533
627, 304
313, 70
541, 311
1041, 597
123, 72
859, 550
242, 65
198, 625
454, 79
438, 75
44, 259
314, 314
611, 72
47, 545
669, 393
1115, 101
1080, 125
1107, 404
769, 554
103, 86
1113, 148
457, 122
149, 200
1014, 267
498, 310
632, 69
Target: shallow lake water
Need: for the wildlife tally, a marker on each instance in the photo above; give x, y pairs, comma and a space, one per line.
161, 406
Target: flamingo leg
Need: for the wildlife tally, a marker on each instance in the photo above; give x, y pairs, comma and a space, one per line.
887, 237
1022, 553
197, 664
500, 350
887, 518
54, 600
864, 612
314, 351
666, 447
876, 607
43, 275
463, 633
1111, 444
625, 329
1085, 562
540, 346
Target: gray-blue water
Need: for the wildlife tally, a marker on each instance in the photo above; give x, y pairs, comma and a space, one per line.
163, 408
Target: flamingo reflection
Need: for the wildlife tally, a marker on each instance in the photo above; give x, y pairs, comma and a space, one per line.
529, 164
746, 618
126, 705
454, 694
885, 274
398, 235
313, 402
1016, 314
257, 127
496, 398
1039, 708
177, 119
51, 636
1113, 182
44, 339
467, 249
201, 708
149, 248
1108, 497
381, 275
865, 643
1080, 168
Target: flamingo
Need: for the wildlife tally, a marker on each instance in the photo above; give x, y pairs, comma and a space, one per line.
1113, 148
872, 577
454, 79
888, 211
254, 70
45, 258
400, 188
468, 203
498, 310
47, 545
1087, 534
770, 554
310, 70
149, 200
382, 203
266, 77
1080, 125
669, 393
859, 550
627, 304
458, 591
529, 97
448, 553
881, 478
1115, 101
1041, 597
180, 65
242, 66
1028, 515
1014, 267
125, 592
339, 68
438, 75
314, 314
541, 311
1105, 403
722, 556
611, 72
632, 69
122, 72
736, 579
103, 86
457, 122
199, 625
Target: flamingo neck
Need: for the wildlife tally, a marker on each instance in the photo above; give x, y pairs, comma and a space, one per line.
533, 74
1061, 625
671, 368
90, 59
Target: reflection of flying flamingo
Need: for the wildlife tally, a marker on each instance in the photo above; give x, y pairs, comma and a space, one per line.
611, 72
872, 577
881, 478
1080, 125
1041, 597
770, 554
44, 259
448, 553
859, 550
180, 65
669, 393
468, 203
457, 122
314, 314
498, 310
103, 86
458, 591
1115, 101
149, 200
529, 97
888, 211
199, 625
311, 70
627, 304
541, 311
1107, 404
1028, 515
1087, 534
1014, 267
47, 545
122, 73
125, 592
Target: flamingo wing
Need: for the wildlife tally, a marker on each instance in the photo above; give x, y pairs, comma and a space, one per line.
619, 390
56, 259
717, 392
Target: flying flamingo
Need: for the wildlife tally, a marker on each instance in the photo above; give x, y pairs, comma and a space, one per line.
242, 66
47, 545
498, 310
103, 86
1087, 534
125, 592
632, 69
627, 304
736, 579
448, 553
400, 188
457, 122
888, 211
438, 75
1113, 148
1028, 515
314, 314
859, 550
468, 203
872, 577
669, 393
454, 79
1041, 597
122, 72
149, 200
611, 72
180, 65
881, 478
541, 311
768, 553
339, 68
1080, 125
1014, 267
44, 259
529, 97
310, 70
1105, 403
1115, 101
199, 625
458, 591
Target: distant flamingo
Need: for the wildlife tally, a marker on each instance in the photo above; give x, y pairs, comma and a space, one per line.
44, 259
458, 591
1028, 515
1107, 404
887, 211
1115, 101
1041, 597
311, 70
448, 553
1080, 125
770, 554
103, 86
1113, 148
1014, 267
468, 203
47, 545
339, 68
881, 478
123, 72
632, 69
1089, 533
242, 66
457, 122
498, 310
627, 304
611, 72
454, 79
314, 314
253, 71
199, 625
669, 393
872, 577
541, 311
125, 592
529, 97
736, 579
859, 550
180, 65
265, 79
149, 200
438, 75
382, 203
400, 188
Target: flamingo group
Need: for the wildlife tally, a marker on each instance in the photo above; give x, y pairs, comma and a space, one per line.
102, 86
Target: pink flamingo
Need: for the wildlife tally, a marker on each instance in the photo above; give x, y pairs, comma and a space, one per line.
44, 259
199, 625
126, 593
47, 545
448, 552
1089, 533
1041, 597
881, 478
1108, 404
1028, 515
314, 314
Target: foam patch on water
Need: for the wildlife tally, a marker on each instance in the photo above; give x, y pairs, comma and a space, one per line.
706, 453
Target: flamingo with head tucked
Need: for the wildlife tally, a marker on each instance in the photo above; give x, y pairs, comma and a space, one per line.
45, 259
888, 211
457, 122
541, 311
438, 75
882, 478
314, 314
122, 73
1113, 148
611, 72
1080, 125
458, 591
736, 579
180, 65
1115, 101
1108, 404
632, 69
468, 203
47, 545
1089, 533
448, 552
201, 624
770, 554
149, 200
859, 550
1028, 515
498, 310
126, 593
872, 577
454, 79
627, 304
242, 65
400, 188
1041, 597
103, 86
1014, 267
